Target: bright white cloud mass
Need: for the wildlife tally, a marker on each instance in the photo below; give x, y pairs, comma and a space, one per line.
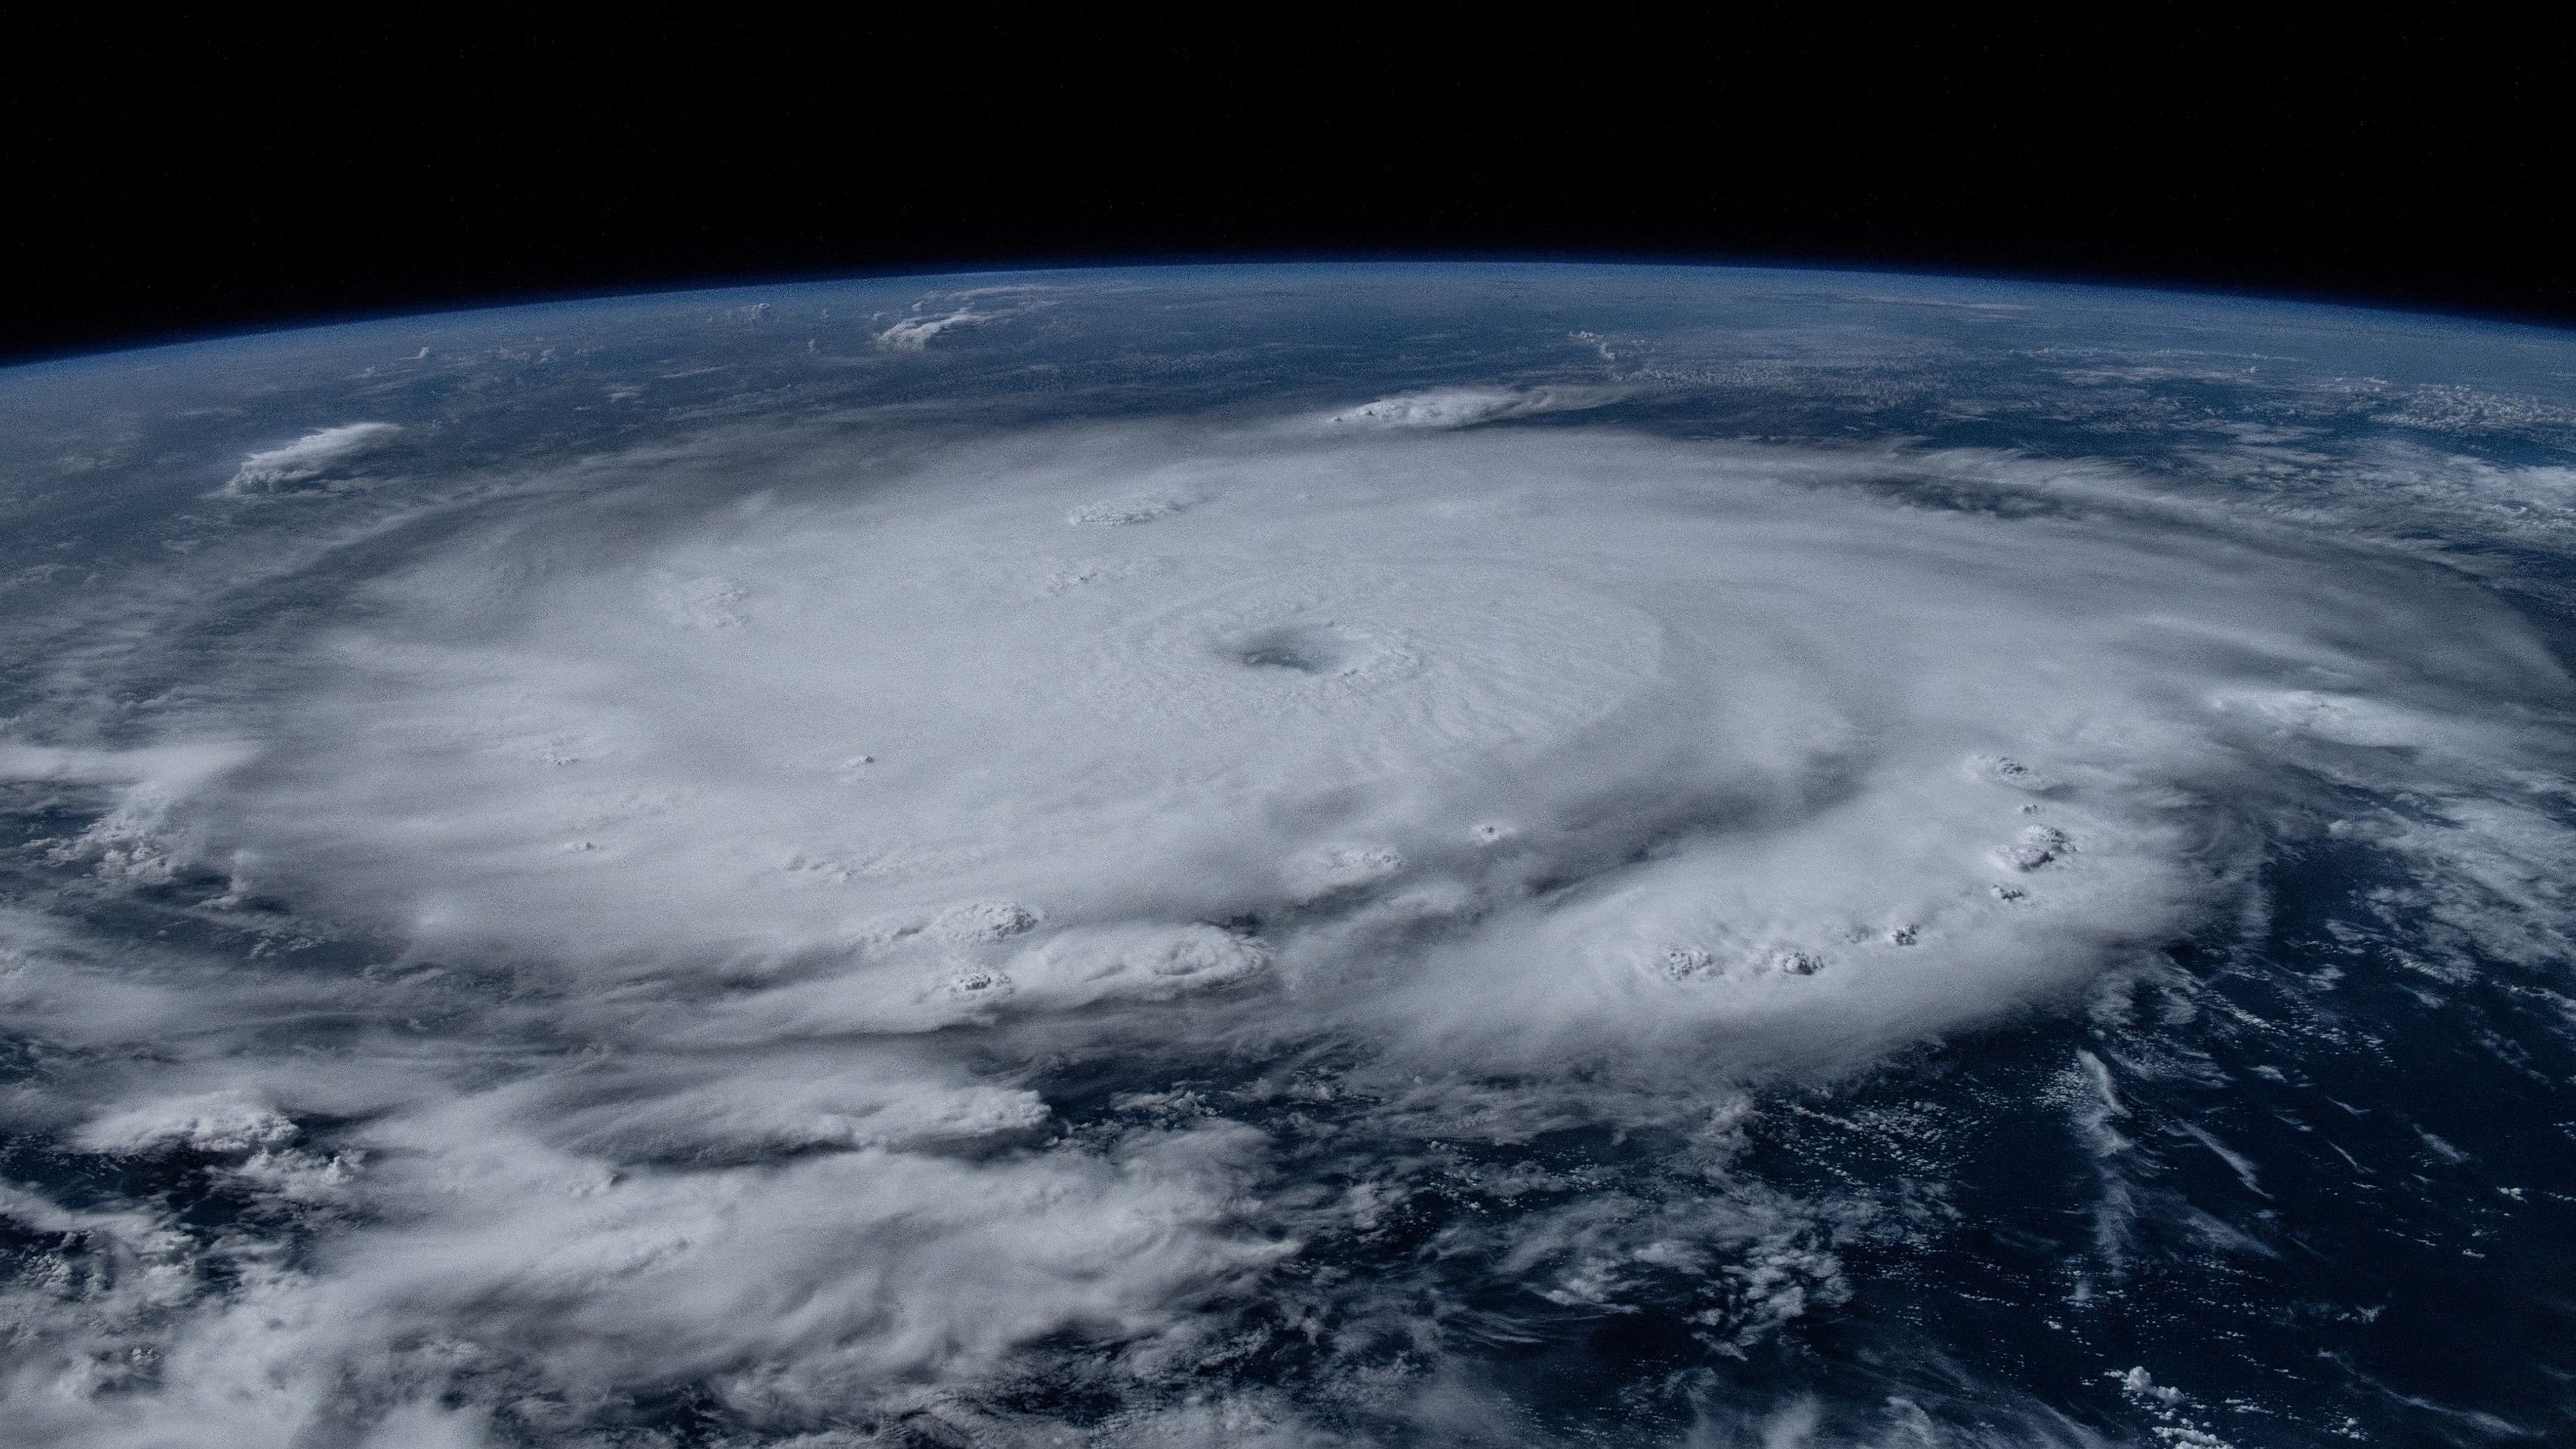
766, 841
1542, 746
308, 457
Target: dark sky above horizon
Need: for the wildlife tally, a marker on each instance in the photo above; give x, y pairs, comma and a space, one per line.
196, 176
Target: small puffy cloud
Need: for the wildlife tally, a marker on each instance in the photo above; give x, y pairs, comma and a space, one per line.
308, 457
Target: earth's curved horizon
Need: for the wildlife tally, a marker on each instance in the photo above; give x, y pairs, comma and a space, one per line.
1309, 854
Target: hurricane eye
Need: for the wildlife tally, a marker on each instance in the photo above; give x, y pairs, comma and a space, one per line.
1298, 649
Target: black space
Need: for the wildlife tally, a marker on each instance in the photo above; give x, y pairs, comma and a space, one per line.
189, 175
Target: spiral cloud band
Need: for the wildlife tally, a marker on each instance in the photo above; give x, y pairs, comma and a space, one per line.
1539, 745
857, 939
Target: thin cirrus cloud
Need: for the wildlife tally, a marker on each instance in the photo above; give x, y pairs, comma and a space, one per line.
738, 872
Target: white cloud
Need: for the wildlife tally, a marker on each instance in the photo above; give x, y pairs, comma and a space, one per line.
946, 311
309, 457
738, 900
1464, 407
912, 334
1607, 644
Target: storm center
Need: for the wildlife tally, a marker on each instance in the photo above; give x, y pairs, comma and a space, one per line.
1299, 649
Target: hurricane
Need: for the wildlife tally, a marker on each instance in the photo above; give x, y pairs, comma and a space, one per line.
1462, 856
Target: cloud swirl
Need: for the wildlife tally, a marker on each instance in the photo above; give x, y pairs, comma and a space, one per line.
860, 944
